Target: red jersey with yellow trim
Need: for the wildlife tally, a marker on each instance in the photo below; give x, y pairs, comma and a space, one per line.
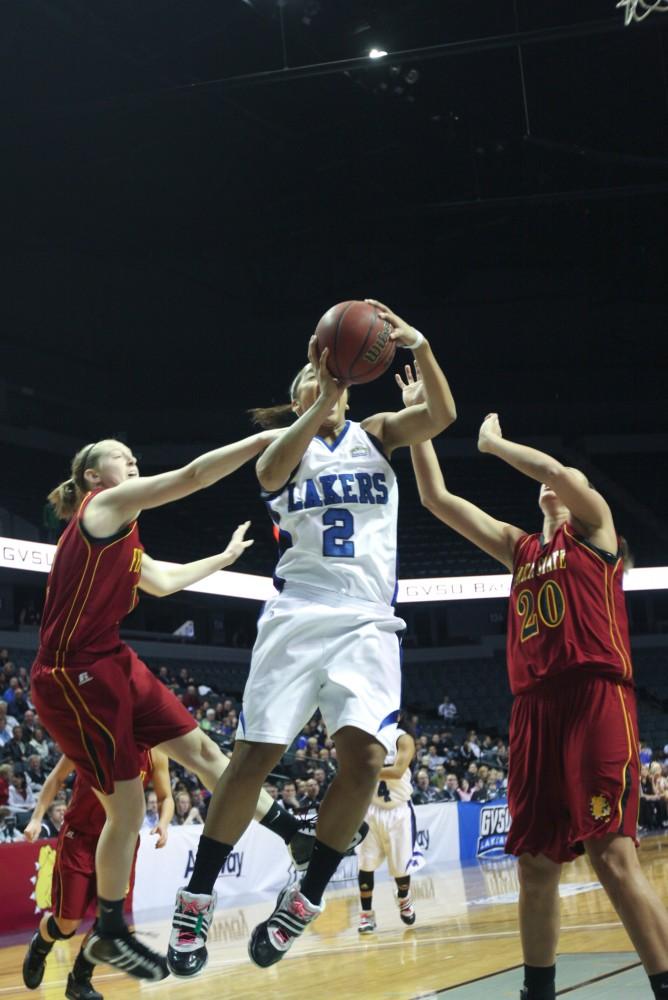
92, 586
85, 813
567, 612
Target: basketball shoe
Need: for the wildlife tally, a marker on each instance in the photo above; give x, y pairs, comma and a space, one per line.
187, 954
81, 988
34, 963
272, 938
301, 845
367, 922
406, 910
126, 953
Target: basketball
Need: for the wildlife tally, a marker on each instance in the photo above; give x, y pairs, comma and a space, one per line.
360, 348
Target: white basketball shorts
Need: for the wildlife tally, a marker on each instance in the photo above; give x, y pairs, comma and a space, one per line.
392, 835
317, 649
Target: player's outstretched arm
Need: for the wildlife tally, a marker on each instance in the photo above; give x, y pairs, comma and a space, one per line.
571, 486
47, 794
281, 458
405, 754
436, 408
496, 538
161, 579
113, 508
163, 790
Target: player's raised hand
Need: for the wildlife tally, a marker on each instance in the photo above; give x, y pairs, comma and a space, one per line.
490, 429
330, 387
412, 390
162, 833
403, 333
32, 830
237, 544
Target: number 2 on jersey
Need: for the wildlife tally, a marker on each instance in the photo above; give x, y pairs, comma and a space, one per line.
336, 539
550, 604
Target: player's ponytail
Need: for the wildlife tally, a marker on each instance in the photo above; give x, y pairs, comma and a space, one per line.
269, 417
66, 498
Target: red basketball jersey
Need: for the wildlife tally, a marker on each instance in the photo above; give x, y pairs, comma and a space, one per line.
92, 586
85, 814
567, 612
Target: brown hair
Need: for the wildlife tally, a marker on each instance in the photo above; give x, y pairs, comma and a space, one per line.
282, 415
66, 498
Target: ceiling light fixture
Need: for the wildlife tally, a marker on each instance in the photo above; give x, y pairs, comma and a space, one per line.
377, 53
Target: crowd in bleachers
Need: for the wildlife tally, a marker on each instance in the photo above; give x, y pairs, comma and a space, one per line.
451, 763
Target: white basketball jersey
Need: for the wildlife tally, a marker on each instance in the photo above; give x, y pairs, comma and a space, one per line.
393, 791
337, 519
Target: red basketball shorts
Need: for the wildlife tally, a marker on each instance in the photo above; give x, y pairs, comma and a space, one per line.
101, 713
573, 766
74, 886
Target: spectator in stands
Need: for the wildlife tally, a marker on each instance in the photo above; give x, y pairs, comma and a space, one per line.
661, 789
191, 699
4, 657
321, 778
300, 766
152, 816
21, 795
17, 749
312, 796
35, 772
8, 831
209, 721
9, 693
288, 797
449, 792
199, 802
185, 813
326, 763
39, 744
6, 772
468, 752
439, 777
464, 791
424, 791
472, 773
21, 705
53, 820
10, 719
645, 753
447, 709
271, 789
5, 733
433, 759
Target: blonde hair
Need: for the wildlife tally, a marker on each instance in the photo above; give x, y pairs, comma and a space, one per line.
282, 415
66, 498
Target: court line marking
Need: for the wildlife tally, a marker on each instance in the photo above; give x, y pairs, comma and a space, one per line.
598, 979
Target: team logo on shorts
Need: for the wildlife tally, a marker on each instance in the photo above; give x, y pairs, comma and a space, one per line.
600, 807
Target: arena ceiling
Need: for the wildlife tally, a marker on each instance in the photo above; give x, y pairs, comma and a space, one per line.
187, 187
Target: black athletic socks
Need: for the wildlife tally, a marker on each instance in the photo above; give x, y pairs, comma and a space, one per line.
403, 887
82, 968
539, 982
41, 945
211, 856
365, 881
281, 822
110, 920
324, 862
659, 984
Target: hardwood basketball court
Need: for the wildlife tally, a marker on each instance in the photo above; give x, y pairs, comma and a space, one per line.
464, 945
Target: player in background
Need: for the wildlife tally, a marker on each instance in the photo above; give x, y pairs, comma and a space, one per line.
574, 711
392, 832
93, 693
328, 640
73, 888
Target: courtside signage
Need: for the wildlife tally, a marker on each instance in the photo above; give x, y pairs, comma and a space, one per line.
38, 558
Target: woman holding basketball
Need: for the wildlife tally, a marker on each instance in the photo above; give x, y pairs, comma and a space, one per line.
574, 712
329, 640
98, 700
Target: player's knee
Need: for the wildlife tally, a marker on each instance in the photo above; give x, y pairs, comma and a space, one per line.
537, 875
614, 865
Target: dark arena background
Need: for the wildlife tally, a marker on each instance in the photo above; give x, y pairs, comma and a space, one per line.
187, 187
